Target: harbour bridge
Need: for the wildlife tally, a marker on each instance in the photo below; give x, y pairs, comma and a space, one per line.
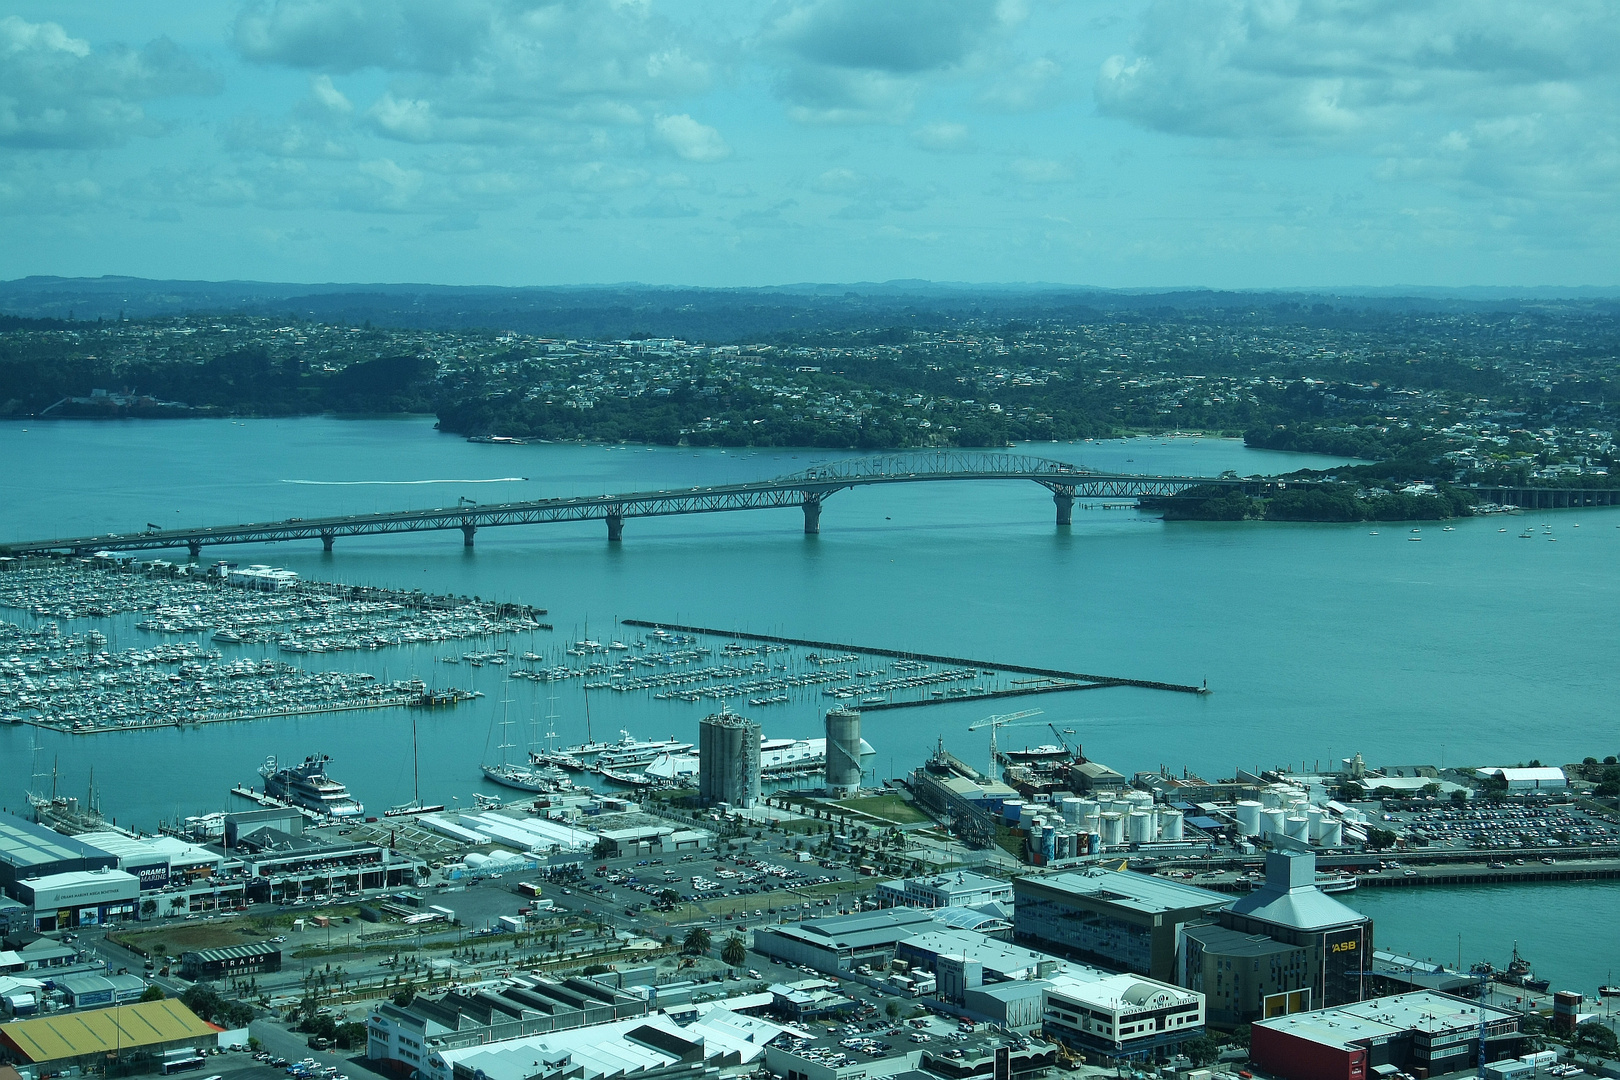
806, 490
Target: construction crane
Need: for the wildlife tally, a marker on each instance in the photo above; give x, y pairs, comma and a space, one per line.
995, 724
1061, 740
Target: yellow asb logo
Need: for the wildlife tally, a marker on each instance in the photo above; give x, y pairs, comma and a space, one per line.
1343, 946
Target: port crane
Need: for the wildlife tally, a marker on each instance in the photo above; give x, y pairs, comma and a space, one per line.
996, 723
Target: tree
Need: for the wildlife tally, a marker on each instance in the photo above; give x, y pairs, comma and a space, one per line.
734, 951
892, 1009
1594, 1037
697, 941
1459, 797
604, 848
1380, 838
153, 993
1202, 1050
148, 908
405, 995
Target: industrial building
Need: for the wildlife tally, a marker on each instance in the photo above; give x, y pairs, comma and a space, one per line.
728, 760
138, 1032
1541, 778
33, 851
835, 1056
90, 991
651, 1048
962, 888
157, 861
1117, 918
1121, 1015
231, 962
398, 1039
840, 944
1428, 1031
843, 752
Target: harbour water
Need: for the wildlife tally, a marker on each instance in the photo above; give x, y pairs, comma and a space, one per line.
1317, 641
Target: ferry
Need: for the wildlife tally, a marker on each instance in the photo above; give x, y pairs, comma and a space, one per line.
497, 440
307, 785
1336, 883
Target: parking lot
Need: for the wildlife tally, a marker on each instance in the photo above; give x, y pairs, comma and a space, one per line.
1510, 825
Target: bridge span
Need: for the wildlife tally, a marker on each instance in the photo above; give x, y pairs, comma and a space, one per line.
806, 490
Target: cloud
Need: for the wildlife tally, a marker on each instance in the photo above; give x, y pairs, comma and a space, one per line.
1034, 84
853, 61
943, 138
690, 139
58, 92
1039, 171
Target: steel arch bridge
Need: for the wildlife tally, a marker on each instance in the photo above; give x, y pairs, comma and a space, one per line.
807, 490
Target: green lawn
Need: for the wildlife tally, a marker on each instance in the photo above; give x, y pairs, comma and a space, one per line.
888, 807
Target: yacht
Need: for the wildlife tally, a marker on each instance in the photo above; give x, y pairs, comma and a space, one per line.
307, 785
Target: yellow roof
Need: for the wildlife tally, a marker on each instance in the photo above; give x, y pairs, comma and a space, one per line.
106, 1030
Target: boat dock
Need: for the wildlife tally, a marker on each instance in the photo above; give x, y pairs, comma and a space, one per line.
1060, 680
242, 791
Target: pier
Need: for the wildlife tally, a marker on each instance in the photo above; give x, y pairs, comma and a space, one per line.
1068, 680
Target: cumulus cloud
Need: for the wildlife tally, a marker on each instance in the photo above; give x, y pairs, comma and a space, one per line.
943, 138
690, 139
58, 92
852, 61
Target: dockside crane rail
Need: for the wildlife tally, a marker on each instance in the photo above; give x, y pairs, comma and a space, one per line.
995, 723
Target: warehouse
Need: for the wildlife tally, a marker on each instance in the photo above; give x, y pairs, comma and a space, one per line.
1118, 918
91, 991
961, 889
134, 1033
33, 851
80, 898
1424, 1030
230, 962
1527, 779
158, 861
844, 942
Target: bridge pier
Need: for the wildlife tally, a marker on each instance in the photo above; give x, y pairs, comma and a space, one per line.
326, 541
1064, 498
195, 547
615, 524
812, 515
467, 532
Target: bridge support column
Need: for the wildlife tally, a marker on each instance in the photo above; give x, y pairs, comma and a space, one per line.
615, 524
1064, 498
326, 541
195, 547
467, 532
812, 515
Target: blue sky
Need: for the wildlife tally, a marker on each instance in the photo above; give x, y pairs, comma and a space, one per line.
1229, 143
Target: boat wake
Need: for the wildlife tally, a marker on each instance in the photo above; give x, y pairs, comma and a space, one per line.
403, 483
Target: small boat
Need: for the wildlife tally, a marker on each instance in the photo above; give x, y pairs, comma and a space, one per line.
1415, 539
1609, 991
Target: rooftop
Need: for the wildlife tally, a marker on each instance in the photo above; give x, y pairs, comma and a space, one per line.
24, 844
99, 1031
1128, 889
1123, 993
1422, 1010
1290, 896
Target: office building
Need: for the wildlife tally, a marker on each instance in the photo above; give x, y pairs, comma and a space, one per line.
1121, 1015
960, 889
80, 898
1117, 918
1427, 1031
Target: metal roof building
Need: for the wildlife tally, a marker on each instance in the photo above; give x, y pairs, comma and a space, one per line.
32, 851
81, 1038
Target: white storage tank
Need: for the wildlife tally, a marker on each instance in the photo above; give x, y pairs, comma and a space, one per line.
1317, 816
1139, 826
1298, 827
1028, 813
1090, 811
1139, 800
1332, 833
1170, 824
1248, 818
1113, 827
1071, 809
1271, 822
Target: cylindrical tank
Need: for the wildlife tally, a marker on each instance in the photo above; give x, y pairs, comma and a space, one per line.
1271, 821
1139, 826
1012, 811
1028, 813
1139, 799
728, 759
1170, 824
1071, 810
1332, 833
1271, 797
1113, 828
843, 752
1316, 815
1048, 842
1088, 813
1248, 818
1297, 827
1061, 844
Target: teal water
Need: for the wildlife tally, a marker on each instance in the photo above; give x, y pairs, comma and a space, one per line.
1318, 640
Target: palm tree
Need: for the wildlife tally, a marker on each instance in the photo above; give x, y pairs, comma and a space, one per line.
734, 952
697, 941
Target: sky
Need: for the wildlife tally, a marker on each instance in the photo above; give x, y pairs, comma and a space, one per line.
1127, 143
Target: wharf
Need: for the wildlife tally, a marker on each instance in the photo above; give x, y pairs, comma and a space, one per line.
1071, 680
242, 791
1584, 870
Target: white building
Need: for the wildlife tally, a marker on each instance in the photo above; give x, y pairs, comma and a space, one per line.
961, 889
80, 898
1537, 779
1121, 1014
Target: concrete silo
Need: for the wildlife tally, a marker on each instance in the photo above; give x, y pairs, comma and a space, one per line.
728, 760
843, 752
